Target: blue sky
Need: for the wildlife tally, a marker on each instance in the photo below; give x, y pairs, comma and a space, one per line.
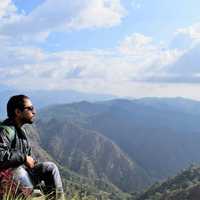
135, 48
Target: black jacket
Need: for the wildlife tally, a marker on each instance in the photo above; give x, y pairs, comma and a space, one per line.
14, 145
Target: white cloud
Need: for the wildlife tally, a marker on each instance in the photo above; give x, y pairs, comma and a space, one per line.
187, 37
192, 32
6, 8
62, 15
184, 66
149, 57
14, 56
95, 70
99, 13
137, 42
108, 72
164, 65
8, 14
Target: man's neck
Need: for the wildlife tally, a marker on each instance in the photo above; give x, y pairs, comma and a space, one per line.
15, 122
18, 123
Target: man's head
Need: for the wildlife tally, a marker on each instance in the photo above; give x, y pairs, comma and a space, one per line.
20, 108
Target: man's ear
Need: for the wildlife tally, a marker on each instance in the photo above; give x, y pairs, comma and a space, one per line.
17, 112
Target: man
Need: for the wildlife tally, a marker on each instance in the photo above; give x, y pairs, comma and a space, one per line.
15, 152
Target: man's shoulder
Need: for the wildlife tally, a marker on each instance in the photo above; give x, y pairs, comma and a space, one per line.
7, 130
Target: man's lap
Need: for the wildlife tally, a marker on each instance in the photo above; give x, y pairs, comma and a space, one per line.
32, 177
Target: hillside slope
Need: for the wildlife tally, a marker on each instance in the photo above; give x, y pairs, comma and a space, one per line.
91, 154
74, 183
184, 186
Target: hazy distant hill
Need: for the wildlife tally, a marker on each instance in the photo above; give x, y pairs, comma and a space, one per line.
161, 135
42, 98
161, 140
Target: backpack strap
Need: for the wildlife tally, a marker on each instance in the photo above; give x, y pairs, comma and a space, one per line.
9, 131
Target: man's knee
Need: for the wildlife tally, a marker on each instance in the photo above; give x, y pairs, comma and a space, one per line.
21, 175
50, 166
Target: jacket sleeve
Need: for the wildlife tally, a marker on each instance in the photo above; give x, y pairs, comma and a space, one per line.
27, 131
9, 157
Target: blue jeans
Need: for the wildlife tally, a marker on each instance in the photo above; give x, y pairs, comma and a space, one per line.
46, 171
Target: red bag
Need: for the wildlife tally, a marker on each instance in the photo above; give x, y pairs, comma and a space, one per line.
11, 188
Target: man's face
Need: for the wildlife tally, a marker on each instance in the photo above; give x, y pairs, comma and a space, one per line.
28, 113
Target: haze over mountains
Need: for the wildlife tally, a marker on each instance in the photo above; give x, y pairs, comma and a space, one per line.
141, 140
42, 98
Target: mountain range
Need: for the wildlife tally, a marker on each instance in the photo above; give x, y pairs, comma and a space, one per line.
119, 146
142, 140
161, 136
43, 98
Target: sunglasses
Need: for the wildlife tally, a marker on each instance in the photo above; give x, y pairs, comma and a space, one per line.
30, 108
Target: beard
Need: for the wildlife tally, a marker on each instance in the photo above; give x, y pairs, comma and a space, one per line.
28, 120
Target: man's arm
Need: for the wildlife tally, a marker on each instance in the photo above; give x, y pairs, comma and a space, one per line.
9, 157
30, 160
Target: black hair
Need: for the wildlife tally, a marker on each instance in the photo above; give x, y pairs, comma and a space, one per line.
15, 102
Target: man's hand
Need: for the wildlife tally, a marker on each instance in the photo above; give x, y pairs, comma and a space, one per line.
30, 162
